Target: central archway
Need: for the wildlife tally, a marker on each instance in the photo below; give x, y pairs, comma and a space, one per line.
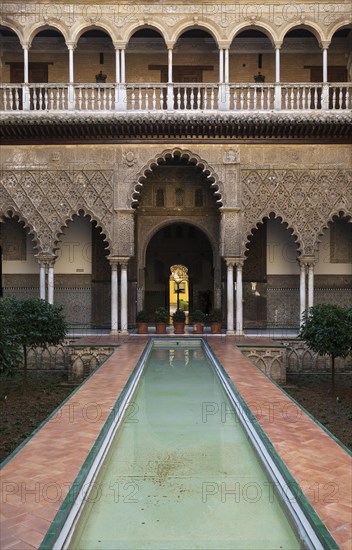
179, 244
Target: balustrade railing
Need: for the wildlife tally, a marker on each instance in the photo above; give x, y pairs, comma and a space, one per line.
177, 96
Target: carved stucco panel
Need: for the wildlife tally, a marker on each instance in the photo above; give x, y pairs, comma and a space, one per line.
47, 199
305, 199
123, 242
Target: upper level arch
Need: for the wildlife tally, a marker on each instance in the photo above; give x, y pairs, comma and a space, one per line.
185, 26
306, 25
14, 28
81, 28
261, 27
37, 28
132, 29
189, 158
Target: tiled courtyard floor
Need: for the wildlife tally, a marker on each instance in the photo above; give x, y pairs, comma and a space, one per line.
36, 480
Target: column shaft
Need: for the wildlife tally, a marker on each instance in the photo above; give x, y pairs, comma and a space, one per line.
227, 66
230, 298
169, 61
325, 64
51, 284
302, 291
70, 65
25, 65
310, 285
221, 66
42, 293
117, 66
277, 65
114, 299
124, 301
239, 300
123, 67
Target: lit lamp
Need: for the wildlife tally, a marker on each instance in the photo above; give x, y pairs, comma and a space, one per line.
100, 78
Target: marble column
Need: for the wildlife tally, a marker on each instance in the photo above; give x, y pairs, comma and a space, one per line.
51, 282
311, 284
325, 65
239, 298
117, 66
230, 303
123, 67
25, 64
42, 280
302, 290
227, 66
124, 300
221, 65
277, 64
169, 66
114, 296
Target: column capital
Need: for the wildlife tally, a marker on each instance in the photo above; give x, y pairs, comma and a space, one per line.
71, 45
307, 260
278, 44
230, 262
119, 45
26, 45
324, 44
113, 260
47, 259
170, 44
123, 260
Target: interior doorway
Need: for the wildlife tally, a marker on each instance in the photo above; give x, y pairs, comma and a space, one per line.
179, 245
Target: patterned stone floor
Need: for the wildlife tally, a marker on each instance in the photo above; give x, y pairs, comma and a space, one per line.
36, 480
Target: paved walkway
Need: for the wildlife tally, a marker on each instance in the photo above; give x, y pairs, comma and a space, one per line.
37, 479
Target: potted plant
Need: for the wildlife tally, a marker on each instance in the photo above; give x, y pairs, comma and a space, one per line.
161, 318
179, 318
142, 319
215, 319
198, 320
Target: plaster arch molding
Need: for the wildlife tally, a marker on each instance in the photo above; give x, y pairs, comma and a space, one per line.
216, 183
151, 229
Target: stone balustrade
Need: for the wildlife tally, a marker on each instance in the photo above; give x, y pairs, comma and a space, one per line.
176, 97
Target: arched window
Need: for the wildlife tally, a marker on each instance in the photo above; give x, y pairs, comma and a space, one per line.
159, 198
198, 197
180, 197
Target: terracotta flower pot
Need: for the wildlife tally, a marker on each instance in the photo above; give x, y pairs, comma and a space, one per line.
142, 328
215, 328
179, 328
198, 328
160, 328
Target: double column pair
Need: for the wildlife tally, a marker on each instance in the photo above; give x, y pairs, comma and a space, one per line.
115, 262
231, 263
46, 277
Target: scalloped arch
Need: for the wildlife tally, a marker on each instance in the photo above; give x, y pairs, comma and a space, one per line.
131, 29
9, 209
336, 213
307, 25
187, 25
263, 27
216, 185
298, 241
13, 27
86, 213
38, 27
